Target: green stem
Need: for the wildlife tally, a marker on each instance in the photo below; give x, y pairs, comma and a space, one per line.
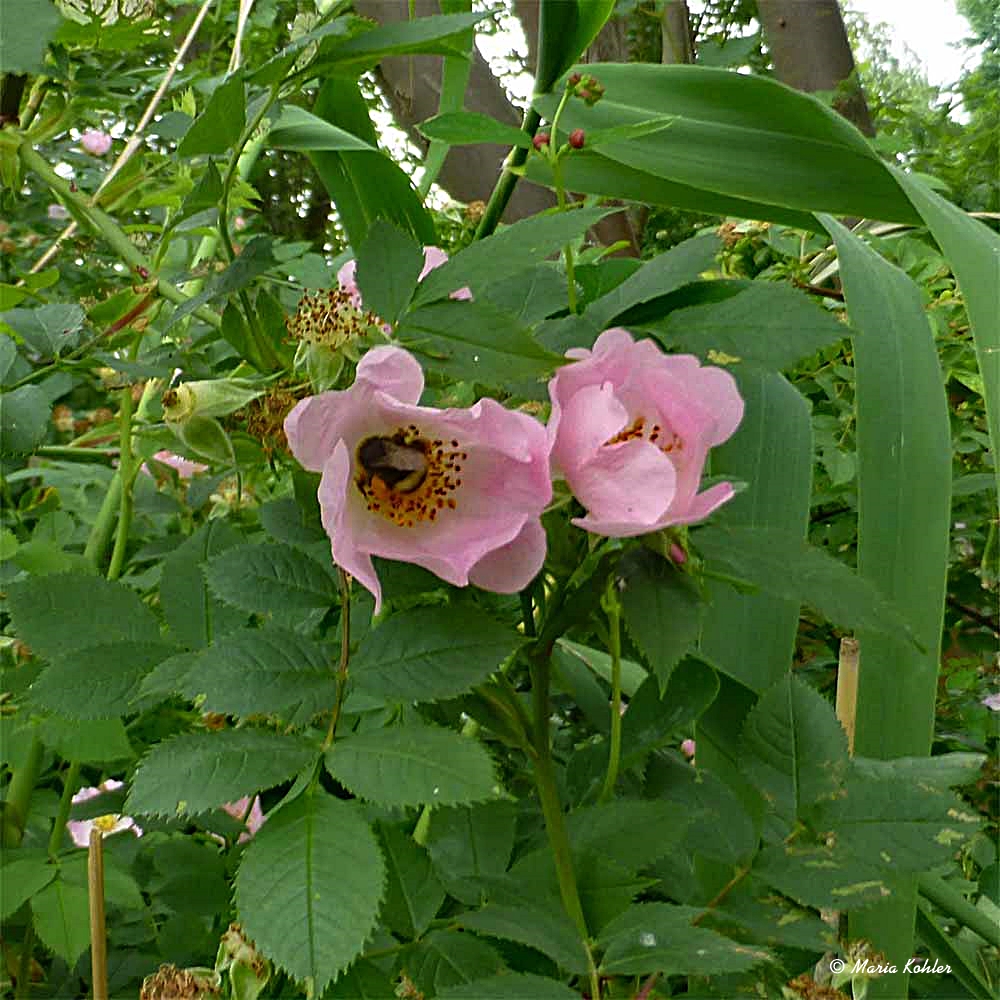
127, 468
67, 453
613, 610
70, 780
34, 102
109, 229
345, 656
508, 179
19, 793
100, 533
548, 796
555, 155
952, 902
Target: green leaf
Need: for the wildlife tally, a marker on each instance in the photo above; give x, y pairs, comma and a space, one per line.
474, 341
658, 277
413, 765
619, 831
195, 772
769, 324
286, 521
96, 741
220, 125
973, 252
49, 329
389, 264
659, 937
510, 986
467, 843
530, 295
97, 682
781, 565
413, 893
25, 29
206, 193
565, 29
8, 355
21, 879
622, 133
633, 675
365, 186
462, 128
418, 655
435, 34
62, 919
507, 252
24, 419
364, 980
270, 578
662, 610
549, 931
655, 713
449, 958
781, 145
953, 951
904, 505
269, 670
309, 886
193, 613
301, 130
794, 751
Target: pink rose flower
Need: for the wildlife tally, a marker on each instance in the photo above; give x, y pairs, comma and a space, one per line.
95, 142
459, 492
184, 466
630, 430
992, 702
79, 829
254, 819
433, 257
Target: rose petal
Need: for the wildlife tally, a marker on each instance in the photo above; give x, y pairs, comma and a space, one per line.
513, 566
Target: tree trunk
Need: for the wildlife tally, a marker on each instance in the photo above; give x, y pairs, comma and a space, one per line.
675, 29
810, 50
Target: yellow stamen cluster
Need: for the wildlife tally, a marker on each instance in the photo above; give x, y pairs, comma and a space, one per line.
434, 492
265, 418
329, 319
637, 429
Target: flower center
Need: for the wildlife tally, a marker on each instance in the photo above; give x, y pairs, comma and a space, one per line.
329, 318
665, 441
406, 477
107, 822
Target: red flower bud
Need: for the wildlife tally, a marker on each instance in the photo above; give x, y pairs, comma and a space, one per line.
540, 140
574, 79
585, 94
576, 138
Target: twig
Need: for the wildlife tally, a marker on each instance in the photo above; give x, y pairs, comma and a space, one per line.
647, 987
98, 931
977, 616
847, 687
830, 293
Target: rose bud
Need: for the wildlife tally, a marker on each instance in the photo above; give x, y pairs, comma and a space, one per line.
540, 140
576, 138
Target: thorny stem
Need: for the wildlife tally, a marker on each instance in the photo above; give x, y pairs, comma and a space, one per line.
613, 610
555, 158
70, 779
345, 656
100, 533
548, 795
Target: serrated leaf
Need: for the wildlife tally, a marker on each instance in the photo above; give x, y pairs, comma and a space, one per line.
193, 613
70, 611
97, 682
662, 610
449, 958
659, 937
549, 931
510, 986
8, 355
419, 655
21, 878
48, 329
96, 741
195, 772
619, 831
474, 341
309, 886
62, 919
414, 765
263, 670
219, 126
286, 521
413, 893
794, 751
364, 980
769, 324
24, 419
270, 577
389, 264
507, 252
467, 843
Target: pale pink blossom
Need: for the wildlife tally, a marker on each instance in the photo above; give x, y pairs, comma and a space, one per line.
630, 430
58, 212
992, 701
95, 142
688, 748
433, 257
459, 492
254, 819
79, 829
184, 466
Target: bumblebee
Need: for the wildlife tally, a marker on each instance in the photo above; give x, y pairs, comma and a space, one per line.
392, 466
